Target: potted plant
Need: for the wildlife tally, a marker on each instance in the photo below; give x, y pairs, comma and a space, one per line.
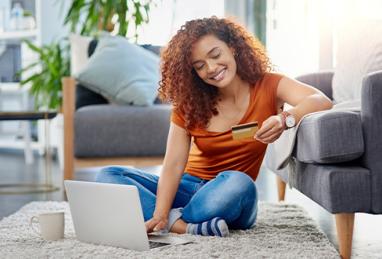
44, 76
86, 17
107, 14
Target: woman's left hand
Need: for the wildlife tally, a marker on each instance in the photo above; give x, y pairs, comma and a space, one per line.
270, 130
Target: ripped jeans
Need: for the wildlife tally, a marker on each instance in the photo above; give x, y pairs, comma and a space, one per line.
232, 195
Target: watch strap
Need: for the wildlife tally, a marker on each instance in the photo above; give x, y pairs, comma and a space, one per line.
283, 116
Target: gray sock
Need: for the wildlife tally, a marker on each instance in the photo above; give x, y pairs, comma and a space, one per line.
214, 227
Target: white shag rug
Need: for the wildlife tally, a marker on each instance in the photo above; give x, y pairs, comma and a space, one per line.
282, 231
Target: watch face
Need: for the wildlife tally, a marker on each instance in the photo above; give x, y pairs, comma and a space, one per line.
290, 121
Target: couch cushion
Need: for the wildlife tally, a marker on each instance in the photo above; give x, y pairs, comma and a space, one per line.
122, 72
113, 130
85, 96
330, 137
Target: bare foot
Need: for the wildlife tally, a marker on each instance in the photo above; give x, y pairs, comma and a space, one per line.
179, 227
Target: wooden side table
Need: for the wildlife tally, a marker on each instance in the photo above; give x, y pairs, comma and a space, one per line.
20, 188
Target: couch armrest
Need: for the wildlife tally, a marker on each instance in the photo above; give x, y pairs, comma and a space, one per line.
371, 115
330, 137
69, 93
320, 80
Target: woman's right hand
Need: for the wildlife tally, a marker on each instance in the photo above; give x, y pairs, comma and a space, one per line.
156, 223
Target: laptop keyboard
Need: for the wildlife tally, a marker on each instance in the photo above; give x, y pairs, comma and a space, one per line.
156, 244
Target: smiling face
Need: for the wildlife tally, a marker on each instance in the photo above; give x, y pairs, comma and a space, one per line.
213, 61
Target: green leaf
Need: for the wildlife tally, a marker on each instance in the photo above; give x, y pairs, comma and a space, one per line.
46, 84
123, 23
97, 14
107, 13
29, 67
27, 80
138, 15
33, 47
74, 13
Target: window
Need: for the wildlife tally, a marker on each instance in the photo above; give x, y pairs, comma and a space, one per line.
168, 15
293, 36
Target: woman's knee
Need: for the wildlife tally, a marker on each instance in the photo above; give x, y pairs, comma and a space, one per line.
232, 191
238, 183
109, 172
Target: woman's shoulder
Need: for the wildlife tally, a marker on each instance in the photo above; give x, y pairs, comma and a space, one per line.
266, 87
268, 80
272, 76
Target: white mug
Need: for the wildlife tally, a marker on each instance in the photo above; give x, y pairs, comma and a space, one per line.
52, 225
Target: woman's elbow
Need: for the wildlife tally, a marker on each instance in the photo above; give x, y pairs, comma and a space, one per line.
326, 103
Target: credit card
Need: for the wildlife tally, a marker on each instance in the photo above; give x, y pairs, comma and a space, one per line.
243, 131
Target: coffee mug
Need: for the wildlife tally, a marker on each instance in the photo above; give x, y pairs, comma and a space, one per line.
52, 225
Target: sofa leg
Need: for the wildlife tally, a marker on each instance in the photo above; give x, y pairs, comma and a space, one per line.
345, 225
68, 90
281, 185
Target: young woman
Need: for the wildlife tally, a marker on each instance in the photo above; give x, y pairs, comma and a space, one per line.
216, 75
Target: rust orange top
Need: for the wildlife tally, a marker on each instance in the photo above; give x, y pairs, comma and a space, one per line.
215, 152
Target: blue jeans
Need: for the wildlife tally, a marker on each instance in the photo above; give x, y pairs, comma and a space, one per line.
232, 195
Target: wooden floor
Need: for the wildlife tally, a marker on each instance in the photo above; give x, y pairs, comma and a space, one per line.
367, 233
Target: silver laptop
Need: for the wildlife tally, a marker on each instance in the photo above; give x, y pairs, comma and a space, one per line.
111, 214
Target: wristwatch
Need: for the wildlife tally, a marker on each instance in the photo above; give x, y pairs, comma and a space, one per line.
288, 120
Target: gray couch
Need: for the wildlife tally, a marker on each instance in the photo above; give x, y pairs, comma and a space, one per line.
338, 157
98, 133
120, 131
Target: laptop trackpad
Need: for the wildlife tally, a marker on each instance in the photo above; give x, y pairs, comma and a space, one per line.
156, 240
154, 244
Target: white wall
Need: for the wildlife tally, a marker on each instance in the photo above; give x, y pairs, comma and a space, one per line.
293, 35
303, 35
167, 17
51, 18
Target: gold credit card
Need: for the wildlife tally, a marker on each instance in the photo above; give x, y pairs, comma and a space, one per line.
243, 131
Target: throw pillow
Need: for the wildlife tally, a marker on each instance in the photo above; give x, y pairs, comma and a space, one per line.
359, 52
122, 72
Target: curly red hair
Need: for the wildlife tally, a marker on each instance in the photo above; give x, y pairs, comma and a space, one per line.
180, 84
